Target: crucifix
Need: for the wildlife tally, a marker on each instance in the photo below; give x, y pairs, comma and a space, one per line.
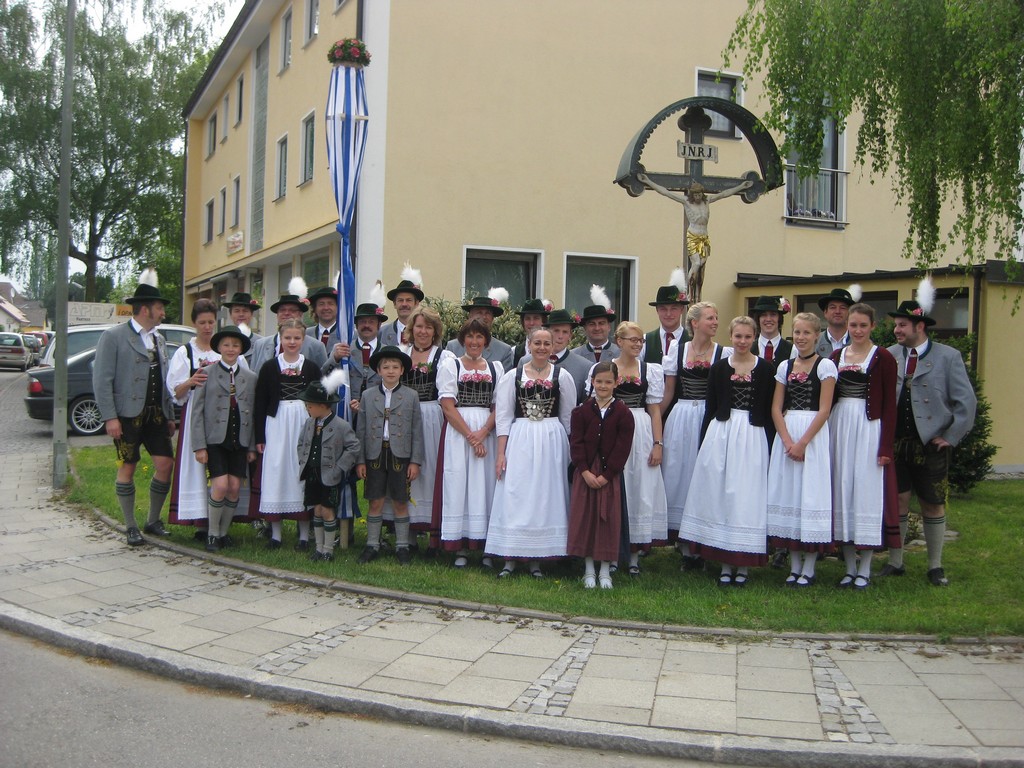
693, 189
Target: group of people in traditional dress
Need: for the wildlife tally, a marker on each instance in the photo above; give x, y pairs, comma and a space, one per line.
538, 452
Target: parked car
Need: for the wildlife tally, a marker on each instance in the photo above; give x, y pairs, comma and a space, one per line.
35, 346
14, 351
83, 337
83, 411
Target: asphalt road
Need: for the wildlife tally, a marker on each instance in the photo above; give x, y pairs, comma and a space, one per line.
62, 710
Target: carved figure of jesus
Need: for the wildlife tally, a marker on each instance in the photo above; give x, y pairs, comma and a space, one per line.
697, 205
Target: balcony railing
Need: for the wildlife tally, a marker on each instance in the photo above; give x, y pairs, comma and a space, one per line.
818, 200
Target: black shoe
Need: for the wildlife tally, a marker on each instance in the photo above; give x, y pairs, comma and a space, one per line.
326, 556
692, 563
156, 529
937, 577
213, 543
273, 544
226, 541
367, 555
404, 555
135, 538
200, 535
302, 546
892, 570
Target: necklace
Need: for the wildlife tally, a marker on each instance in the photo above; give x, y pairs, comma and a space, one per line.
537, 370
808, 357
605, 404
699, 355
421, 351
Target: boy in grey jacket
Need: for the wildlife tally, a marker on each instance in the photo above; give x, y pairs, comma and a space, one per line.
328, 449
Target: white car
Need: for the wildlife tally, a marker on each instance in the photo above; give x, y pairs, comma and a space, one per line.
85, 337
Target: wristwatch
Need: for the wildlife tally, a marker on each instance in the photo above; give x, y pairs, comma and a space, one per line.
658, 442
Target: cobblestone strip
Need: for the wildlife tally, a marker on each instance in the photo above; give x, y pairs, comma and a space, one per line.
551, 693
302, 652
844, 715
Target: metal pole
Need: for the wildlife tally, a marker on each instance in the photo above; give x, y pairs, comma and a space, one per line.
60, 378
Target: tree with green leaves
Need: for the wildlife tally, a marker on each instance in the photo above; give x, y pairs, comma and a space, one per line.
128, 141
939, 84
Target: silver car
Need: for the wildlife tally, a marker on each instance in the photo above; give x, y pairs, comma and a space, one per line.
14, 351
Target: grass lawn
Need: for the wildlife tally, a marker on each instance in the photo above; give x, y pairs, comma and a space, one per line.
984, 599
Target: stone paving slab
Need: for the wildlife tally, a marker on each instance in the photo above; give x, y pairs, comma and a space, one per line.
765, 701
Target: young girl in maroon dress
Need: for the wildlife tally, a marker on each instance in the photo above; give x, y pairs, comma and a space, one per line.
600, 438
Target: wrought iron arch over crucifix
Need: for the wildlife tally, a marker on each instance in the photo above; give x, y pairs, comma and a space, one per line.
694, 189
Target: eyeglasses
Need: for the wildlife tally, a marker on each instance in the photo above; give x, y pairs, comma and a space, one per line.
632, 339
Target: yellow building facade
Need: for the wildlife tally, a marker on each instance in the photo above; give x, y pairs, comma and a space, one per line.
495, 132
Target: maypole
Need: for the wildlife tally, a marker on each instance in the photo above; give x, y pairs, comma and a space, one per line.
346, 117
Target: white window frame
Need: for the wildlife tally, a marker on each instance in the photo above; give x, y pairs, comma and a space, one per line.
537, 253
239, 98
208, 221
311, 27
236, 193
222, 221
286, 40
736, 78
281, 168
798, 204
631, 288
227, 111
308, 149
211, 134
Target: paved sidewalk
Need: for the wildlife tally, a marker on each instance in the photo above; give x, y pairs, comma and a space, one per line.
70, 580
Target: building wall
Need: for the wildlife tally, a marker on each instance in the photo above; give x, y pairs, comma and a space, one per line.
500, 124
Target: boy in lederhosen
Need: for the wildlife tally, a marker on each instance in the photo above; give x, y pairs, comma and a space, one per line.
328, 449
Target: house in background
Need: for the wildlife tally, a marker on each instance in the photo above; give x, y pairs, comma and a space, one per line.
495, 133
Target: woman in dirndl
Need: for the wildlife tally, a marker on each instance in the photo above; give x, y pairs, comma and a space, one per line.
421, 340
278, 418
641, 387
726, 512
529, 516
188, 505
862, 427
466, 478
686, 387
800, 469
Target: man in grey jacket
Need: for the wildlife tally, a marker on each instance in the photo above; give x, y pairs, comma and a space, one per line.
267, 348
935, 409
128, 380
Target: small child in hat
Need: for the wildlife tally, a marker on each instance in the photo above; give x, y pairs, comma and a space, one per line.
222, 429
328, 449
391, 433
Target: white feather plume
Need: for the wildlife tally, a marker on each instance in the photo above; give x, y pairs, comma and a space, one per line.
148, 277
926, 294
856, 292
598, 296
678, 279
414, 276
335, 380
498, 294
297, 287
377, 295
245, 329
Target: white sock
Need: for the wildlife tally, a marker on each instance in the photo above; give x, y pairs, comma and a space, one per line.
275, 530
634, 559
850, 556
796, 558
606, 572
303, 530
865, 564
588, 566
810, 559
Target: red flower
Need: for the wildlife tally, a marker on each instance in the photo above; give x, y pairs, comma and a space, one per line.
494, 302
380, 310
